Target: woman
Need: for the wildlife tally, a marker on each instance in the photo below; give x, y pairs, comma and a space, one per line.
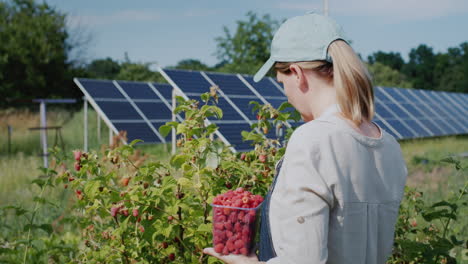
340, 183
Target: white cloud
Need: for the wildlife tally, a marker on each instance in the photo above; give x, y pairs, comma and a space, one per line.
387, 10
126, 16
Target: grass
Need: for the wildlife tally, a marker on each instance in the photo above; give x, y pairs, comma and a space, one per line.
427, 173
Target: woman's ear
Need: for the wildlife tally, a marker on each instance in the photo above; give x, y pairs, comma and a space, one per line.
299, 76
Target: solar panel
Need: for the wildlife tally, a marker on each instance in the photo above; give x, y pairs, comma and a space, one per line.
140, 108
134, 107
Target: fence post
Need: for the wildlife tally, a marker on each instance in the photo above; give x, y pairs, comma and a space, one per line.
44, 133
10, 131
85, 125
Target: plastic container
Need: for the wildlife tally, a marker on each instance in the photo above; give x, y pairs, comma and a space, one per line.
234, 229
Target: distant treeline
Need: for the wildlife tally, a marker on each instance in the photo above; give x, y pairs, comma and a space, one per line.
39, 57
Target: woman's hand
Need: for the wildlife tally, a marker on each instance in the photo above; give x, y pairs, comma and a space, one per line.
233, 259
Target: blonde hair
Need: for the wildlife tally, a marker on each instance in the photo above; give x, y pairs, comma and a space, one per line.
354, 91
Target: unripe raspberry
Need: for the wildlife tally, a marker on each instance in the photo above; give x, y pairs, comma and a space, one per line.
262, 158
124, 181
242, 157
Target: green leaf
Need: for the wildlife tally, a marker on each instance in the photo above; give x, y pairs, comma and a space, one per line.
210, 129
18, 210
284, 105
205, 228
212, 160
181, 128
47, 227
205, 97
218, 112
178, 160
135, 141
184, 182
164, 130
251, 136
92, 188
39, 182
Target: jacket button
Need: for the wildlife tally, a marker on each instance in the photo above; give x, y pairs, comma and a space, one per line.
300, 219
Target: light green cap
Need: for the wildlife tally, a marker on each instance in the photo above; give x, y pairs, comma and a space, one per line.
302, 38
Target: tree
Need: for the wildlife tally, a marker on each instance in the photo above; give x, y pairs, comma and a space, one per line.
33, 52
451, 69
249, 47
104, 68
390, 59
383, 75
192, 64
420, 68
130, 71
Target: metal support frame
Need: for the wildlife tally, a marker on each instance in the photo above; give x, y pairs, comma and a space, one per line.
178, 91
112, 128
277, 85
246, 83
155, 131
168, 105
173, 131
43, 114
227, 98
85, 124
407, 112
98, 120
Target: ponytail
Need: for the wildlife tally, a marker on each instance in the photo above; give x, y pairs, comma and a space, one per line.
354, 91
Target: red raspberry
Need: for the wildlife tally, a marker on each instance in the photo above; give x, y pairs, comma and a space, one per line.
242, 157
225, 251
77, 155
230, 245
239, 244
219, 226
115, 210
244, 251
135, 212
172, 257
77, 166
219, 248
228, 225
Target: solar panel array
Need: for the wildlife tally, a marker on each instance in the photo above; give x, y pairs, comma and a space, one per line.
136, 107
140, 108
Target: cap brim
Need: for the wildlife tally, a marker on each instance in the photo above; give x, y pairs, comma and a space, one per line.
263, 70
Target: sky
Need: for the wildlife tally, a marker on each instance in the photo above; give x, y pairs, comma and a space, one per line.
168, 31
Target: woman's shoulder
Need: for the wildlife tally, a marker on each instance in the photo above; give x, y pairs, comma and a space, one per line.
312, 132
315, 129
